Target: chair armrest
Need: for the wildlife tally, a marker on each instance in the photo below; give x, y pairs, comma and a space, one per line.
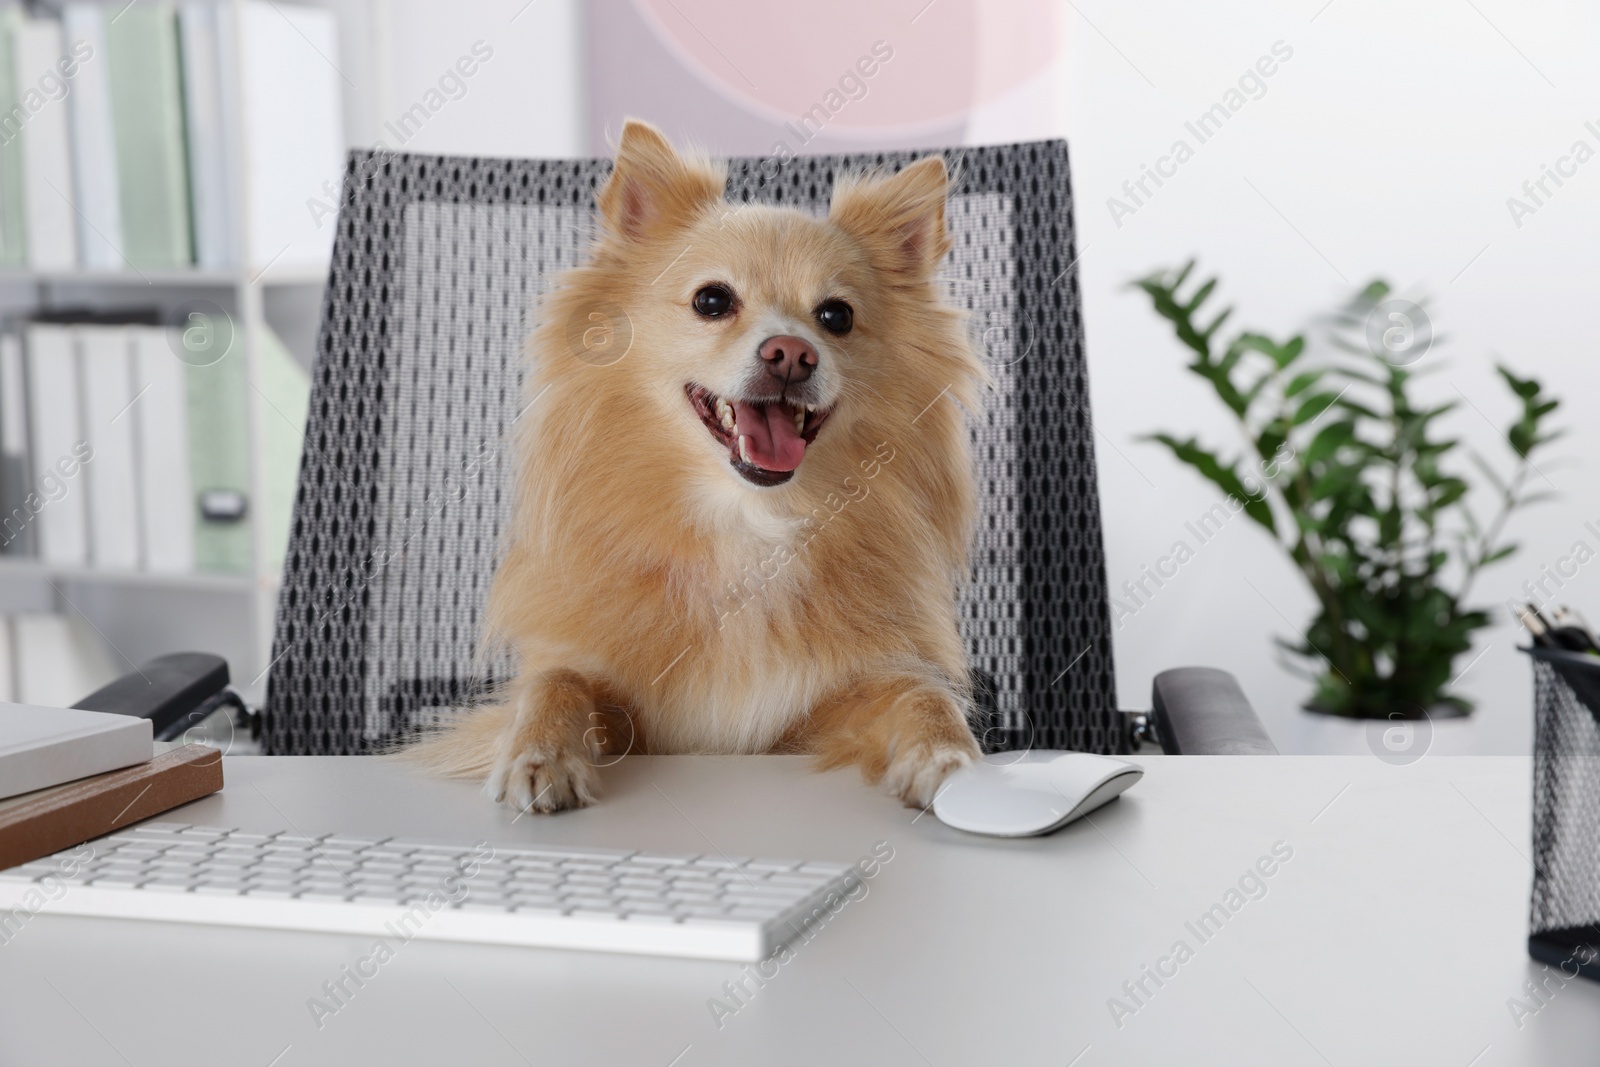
1201, 711
168, 690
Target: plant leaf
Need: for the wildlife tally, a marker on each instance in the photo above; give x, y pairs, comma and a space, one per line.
1221, 475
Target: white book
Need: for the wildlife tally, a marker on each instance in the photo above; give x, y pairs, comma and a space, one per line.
94, 147
51, 222
293, 138
208, 97
107, 382
45, 746
8, 671
16, 515
59, 449
161, 429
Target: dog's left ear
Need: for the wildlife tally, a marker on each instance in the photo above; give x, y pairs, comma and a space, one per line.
899, 218
652, 189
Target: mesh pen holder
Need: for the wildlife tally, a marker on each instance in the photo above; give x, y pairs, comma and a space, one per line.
1564, 915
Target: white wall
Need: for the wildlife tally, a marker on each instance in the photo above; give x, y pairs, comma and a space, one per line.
526, 99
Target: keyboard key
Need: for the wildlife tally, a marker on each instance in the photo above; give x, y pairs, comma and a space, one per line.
388, 852
599, 914
722, 922
341, 884
157, 885
689, 896
329, 896
114, 881
809, 880
188, 851
202, 833
590, 879
383, 867
767, 889
634, 893
646, 859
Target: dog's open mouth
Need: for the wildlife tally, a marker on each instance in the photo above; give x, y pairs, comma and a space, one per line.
766, 440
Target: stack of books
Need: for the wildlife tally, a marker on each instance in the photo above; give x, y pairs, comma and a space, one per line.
69, 776
128, 133
119, 453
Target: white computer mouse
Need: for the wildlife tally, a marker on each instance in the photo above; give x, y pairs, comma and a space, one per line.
1019, 794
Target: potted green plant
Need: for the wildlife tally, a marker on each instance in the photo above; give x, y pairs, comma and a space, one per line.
1359, 486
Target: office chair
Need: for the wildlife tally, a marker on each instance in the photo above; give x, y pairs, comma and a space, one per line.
437, 269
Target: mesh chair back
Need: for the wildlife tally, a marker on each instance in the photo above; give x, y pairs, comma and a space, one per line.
438, 266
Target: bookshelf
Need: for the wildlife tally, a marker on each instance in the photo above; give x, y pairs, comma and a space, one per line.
140, 613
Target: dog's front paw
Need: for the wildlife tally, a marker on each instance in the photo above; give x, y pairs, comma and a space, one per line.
532, 780
916, 771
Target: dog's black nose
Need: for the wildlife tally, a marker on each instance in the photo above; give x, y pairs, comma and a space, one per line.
788, 358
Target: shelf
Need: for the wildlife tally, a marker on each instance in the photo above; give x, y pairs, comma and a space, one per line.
185, 277
36, 570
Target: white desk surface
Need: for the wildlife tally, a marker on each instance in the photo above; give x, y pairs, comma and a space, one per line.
1395, 934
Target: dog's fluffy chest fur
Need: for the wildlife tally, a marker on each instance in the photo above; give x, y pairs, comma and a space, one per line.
738, 671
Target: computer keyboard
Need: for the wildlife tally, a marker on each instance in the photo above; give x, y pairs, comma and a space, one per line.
711, 906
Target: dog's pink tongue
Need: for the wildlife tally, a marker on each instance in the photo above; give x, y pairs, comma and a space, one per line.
771, 440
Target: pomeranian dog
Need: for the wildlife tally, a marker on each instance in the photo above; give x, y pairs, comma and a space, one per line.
744, 497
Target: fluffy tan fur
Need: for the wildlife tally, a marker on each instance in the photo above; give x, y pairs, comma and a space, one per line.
655, 601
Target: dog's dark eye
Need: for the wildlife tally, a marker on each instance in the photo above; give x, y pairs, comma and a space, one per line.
714, 301
836, 316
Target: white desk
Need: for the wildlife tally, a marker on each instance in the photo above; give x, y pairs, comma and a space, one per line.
1395, 934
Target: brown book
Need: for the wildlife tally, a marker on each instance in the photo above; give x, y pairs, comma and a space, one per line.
48, 820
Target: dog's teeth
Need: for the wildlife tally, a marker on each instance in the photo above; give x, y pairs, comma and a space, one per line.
744, 453
725, 414
800, 421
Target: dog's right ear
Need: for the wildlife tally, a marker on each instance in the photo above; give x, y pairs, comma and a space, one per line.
652, 189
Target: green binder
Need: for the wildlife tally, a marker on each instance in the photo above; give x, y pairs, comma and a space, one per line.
219, 452
219, 461
285, 402
147, 116
13, 236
